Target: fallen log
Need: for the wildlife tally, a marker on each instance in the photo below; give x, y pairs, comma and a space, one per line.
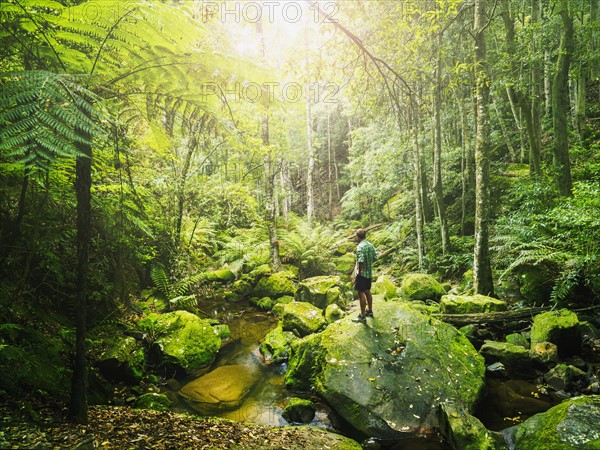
499, 316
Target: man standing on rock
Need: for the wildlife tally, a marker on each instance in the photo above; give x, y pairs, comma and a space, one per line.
363, 275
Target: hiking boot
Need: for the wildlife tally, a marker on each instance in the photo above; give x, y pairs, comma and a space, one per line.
369, 313
359, 319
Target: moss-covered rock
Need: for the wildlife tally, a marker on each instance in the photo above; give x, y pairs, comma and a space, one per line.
515, 358
560, 327
276, 285
420, 286
276, 344
385, 287
564, 377
544, 353
573, 424
302, 318
219, 276
123, 361
182, 341
465, 432
264, 303
305, 363
517, 339
333, 312
429, 307
324, 290
387, 376
223, 389
471, 304
299, 410
152, 400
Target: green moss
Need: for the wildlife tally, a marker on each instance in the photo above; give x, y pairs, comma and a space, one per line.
470, 304
517, 339
420, 286
276, 285
302, 318
219, 276
305, 364
385, 287
184, 339
573, 424
324, 290
276, 344
559, 327
157, 402
299, 410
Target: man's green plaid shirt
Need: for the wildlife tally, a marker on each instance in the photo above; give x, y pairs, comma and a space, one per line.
366, 254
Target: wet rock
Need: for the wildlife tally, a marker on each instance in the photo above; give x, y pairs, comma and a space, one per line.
517, 339
333, 312
513, 398
276, 344
566, 378
545, 354
323, 291
471, 304
154, 401
420, 286
514, 357
559, 327
497, 369
220, 390
387, 376
123, 361
276, 285
573, 424
465, 432
181, 340
299, 410
302, 318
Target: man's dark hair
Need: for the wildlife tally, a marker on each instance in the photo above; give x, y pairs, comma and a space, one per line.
361, 233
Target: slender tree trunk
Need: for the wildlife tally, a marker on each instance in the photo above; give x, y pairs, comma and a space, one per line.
310, 200
417, 179
193, 144
437, 153
561, 103
482, 270
78, 409
329, 166
536, 94
284, 192
269, 177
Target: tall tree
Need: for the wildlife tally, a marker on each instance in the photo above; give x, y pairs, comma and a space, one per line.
482, 269
561, 102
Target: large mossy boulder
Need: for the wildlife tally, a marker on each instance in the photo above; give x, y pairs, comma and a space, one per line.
276, 285
302, 318
322, 291
560, 327
471, 304
515, 358
123, 360
345, 264
276, 344
182, 340
386, 377
420, 286
573, 424
223, 389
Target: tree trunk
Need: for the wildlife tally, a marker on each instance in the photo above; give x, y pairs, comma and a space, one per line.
329, 167
437, 152
482, 270
193, 144
310, 200
417, 179
78, 409
561, 104
535, 162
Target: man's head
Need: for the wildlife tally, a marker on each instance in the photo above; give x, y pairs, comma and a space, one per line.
361, 233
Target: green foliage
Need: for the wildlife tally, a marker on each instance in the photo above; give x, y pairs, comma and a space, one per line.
559, 238
309, 248
43, 117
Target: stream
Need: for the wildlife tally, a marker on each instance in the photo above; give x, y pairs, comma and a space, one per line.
265, 402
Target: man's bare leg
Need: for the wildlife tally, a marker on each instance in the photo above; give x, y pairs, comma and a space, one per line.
362, 297
369, 299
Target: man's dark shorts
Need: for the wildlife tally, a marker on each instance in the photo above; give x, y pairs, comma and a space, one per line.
362, 284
